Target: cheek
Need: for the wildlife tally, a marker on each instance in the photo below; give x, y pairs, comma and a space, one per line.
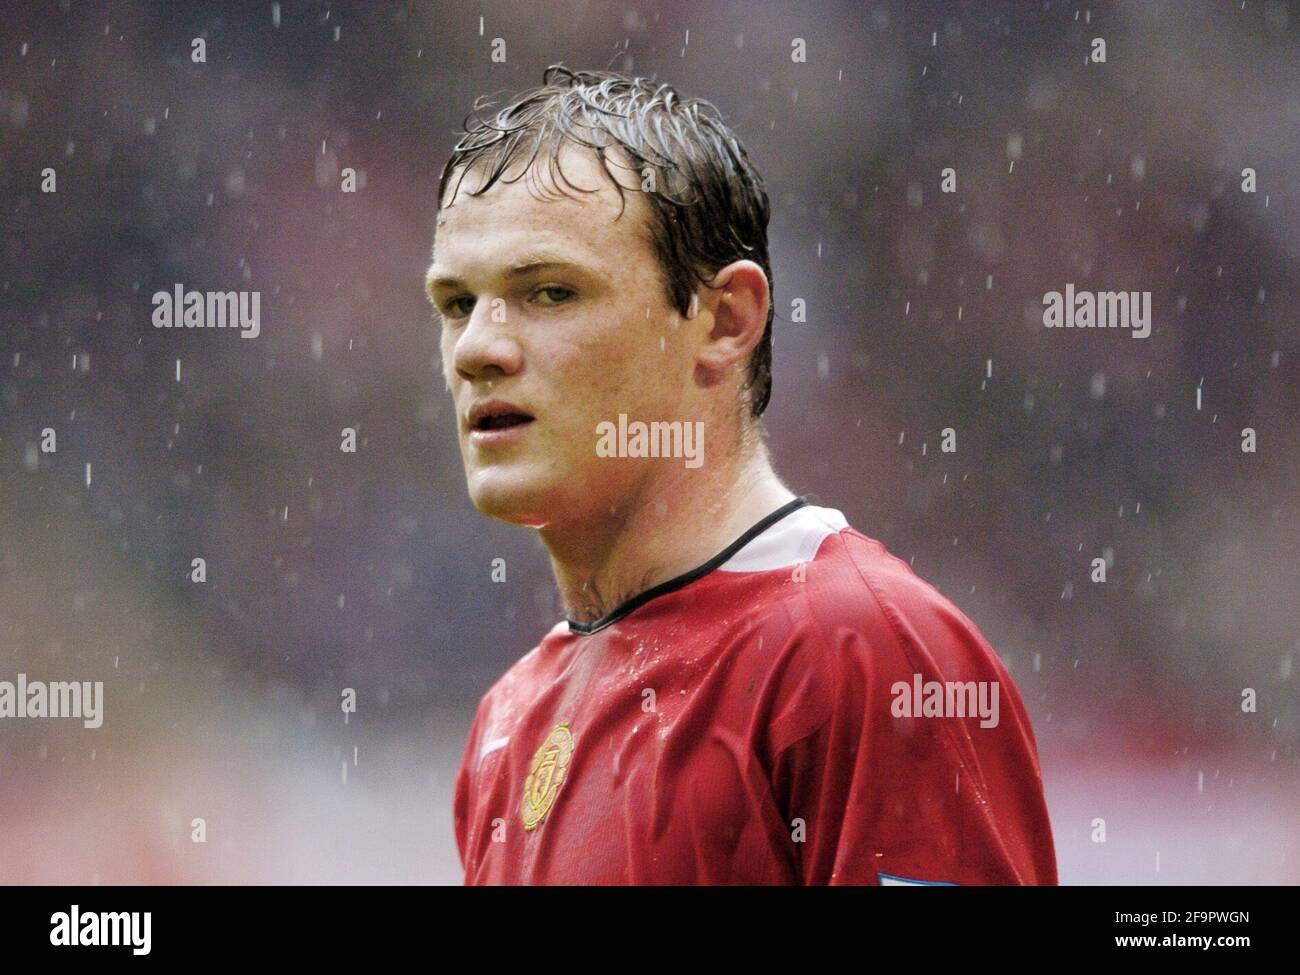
627, 363
582, 366
612, 381
609, 363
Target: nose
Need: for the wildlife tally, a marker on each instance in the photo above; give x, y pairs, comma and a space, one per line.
485, 348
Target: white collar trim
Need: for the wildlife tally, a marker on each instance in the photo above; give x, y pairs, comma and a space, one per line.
794, 539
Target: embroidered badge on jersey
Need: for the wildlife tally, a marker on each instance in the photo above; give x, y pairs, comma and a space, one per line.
546, 775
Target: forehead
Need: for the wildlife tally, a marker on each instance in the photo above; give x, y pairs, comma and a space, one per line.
538, 211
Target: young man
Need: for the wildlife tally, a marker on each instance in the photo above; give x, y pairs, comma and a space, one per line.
746, 690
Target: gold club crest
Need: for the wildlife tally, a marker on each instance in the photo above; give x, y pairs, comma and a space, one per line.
546, 775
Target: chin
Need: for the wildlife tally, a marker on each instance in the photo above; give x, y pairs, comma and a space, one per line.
538, 498
512, 496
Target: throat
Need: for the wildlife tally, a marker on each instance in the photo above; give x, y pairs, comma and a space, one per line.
592, 602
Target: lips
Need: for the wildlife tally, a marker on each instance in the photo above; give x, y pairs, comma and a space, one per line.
499, 421
496, 415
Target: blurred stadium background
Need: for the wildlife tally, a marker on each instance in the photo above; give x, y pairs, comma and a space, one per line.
371, 570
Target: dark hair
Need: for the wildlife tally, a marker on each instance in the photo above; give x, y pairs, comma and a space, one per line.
709, 205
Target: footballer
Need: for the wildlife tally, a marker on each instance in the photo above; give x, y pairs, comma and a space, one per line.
729, 699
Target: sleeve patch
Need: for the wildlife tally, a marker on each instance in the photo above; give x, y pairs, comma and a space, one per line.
889, 880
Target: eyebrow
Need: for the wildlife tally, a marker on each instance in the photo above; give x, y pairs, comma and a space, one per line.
527, 265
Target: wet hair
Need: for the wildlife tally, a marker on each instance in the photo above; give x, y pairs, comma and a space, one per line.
708, 203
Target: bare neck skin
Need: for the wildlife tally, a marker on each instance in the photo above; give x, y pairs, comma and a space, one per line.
677, 520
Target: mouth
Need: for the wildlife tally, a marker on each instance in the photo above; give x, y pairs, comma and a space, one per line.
496, 421
501, 421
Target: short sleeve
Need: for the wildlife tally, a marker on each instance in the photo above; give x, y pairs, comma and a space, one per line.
890, 783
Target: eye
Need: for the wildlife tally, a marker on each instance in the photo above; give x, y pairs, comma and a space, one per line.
452, 308
552, 290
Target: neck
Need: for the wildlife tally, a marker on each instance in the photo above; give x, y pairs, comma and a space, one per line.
673, 523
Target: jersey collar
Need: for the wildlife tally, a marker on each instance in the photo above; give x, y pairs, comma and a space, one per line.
677, 582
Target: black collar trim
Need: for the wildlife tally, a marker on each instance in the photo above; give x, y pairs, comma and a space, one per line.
677, 582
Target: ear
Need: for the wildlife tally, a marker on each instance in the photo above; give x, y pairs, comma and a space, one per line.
735, 305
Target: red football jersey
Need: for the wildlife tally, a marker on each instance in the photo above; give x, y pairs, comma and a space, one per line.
783, 714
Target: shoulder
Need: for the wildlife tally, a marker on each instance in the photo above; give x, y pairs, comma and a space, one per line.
857, 620
855, 586
815, 575
914, 608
